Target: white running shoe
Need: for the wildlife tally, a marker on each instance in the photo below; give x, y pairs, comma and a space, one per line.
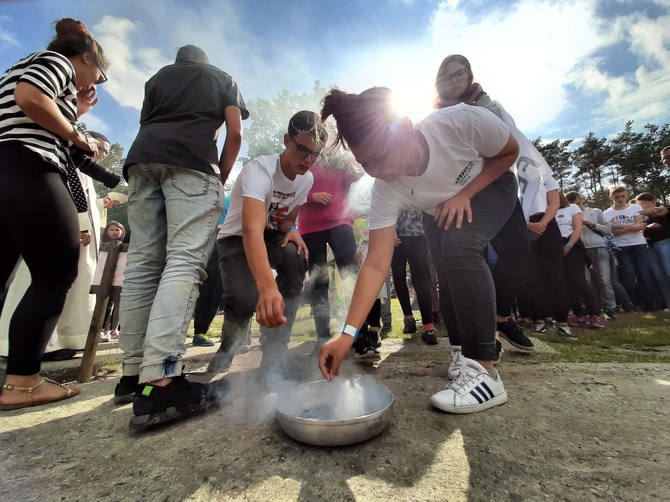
454, 370
474, 390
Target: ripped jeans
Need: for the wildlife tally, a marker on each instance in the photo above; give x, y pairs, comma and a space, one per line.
173, 212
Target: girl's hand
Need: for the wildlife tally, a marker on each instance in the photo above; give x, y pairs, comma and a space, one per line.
294, 236
86, 143
86, 100
331, 355
457, 207
323, 198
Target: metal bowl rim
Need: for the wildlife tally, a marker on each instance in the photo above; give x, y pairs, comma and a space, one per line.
348, 421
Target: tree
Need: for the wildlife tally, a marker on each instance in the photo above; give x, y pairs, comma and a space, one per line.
591, 161
114, 162
558, 157
269, 119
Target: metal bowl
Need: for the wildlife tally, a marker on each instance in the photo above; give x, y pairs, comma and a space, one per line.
320, 413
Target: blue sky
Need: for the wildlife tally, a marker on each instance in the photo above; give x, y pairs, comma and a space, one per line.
561, 68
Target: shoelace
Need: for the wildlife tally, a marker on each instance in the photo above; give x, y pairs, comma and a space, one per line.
462, 382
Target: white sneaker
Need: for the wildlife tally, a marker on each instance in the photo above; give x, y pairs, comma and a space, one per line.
454, 370
105, 336
474, 390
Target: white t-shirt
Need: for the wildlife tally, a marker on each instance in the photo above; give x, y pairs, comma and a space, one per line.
624, 217
564, 218
459, 137
262, 179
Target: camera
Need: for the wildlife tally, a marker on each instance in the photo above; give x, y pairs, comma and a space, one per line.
91, 168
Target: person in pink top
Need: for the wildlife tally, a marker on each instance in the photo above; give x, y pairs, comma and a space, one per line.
327, 219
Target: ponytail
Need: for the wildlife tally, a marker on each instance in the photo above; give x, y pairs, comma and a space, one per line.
73, 38
359, 115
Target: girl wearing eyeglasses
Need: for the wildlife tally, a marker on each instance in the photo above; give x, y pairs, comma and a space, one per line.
453, 165
37, 118
522, 271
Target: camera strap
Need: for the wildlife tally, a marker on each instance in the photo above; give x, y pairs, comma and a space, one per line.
74, 185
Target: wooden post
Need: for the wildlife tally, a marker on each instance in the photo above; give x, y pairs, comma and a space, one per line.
102, 297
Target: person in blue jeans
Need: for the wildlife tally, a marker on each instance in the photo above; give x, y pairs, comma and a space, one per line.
175, 185
657, 234
633, 255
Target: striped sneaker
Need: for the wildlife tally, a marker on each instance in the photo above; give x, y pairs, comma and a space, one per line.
455, 365
474, 390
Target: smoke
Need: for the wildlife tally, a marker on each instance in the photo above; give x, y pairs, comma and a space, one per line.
341, 399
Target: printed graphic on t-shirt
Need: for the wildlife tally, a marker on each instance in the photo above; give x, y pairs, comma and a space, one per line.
464, 176
279, 208
623, 219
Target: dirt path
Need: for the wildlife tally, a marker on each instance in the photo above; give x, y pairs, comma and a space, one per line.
569, 432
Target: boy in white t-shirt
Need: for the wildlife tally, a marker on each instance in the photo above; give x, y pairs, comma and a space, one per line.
260, 235
633, 256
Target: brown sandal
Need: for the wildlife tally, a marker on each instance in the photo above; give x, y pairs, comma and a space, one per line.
71, 392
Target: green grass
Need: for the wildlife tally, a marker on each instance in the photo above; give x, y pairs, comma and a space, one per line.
634, 337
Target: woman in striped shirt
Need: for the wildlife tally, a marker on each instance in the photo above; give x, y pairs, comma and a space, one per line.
38, 219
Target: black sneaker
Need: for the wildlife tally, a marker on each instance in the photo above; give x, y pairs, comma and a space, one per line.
429, 337
373, 338
566, 332
201, 341
511, 332
410, 326
124, 392
363, 349
153, 405
609, 314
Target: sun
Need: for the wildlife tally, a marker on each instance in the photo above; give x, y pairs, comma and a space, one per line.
411, 98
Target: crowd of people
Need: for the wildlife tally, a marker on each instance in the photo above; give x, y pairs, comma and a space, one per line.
463, 186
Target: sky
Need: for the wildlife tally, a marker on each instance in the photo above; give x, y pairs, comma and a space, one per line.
560, 68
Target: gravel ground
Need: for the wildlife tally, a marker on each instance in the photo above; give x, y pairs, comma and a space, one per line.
573, 432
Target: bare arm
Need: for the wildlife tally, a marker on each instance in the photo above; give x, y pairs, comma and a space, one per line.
292, 235
233, 142
553, 203
576, 232
44, 111
626, 229
270, 307
370, 279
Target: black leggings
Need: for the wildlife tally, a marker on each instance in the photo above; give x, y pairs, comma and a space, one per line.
415, 251
39, 222
544, 295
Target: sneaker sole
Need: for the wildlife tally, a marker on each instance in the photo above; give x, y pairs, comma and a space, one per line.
144, 422
464, 410
515, 344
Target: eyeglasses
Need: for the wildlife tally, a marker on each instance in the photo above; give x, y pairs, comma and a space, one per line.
305, 152
103, 75
450, 78
665, 157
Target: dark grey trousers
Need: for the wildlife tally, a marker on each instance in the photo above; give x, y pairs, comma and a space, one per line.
241, 294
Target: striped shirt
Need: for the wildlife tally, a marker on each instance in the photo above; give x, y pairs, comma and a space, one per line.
53, 74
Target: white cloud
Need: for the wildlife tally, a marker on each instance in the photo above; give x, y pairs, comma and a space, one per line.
95, 123
7, 38
129, 69
641, 95
521, 57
